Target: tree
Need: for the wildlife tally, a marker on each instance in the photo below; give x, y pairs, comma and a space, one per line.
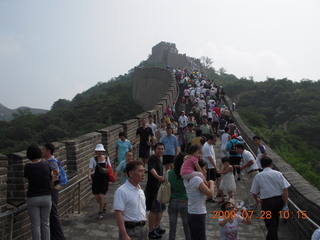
206, 62
222, 71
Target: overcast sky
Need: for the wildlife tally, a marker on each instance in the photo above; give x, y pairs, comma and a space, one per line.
56, 49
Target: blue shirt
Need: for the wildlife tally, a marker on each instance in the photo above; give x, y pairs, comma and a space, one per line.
121, 169
123, 147
229, 146
170, 144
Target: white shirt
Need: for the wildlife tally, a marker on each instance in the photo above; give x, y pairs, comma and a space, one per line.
202, 104
93, 163
208, 151
196, 199
224, 141
183, 121
247, 157
269, 183
153, 127
230, 230
131, 201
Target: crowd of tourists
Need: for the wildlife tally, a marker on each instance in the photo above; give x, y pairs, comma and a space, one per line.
181, 151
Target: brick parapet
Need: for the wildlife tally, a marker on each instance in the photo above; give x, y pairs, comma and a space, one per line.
3, 182
301, 192
74, 156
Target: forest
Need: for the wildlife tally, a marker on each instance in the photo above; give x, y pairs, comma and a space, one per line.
286, 115
104, 104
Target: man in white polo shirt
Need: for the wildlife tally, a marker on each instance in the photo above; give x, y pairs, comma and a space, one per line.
273, 189
251, 168
209, 157
130, 204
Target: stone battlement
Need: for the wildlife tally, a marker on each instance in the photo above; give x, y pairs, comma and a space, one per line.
155, 85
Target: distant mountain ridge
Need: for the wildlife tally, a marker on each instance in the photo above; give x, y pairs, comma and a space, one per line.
7, 113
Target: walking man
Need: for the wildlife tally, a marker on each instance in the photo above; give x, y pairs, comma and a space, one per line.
171, 147
155, 178
251, 168
146, 140
273, 190
56, 232
209, 157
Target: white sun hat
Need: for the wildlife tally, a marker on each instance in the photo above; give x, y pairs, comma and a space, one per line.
99, 148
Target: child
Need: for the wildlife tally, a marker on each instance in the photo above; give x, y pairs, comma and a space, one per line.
191, 162
122, 167
229, 222
228, 183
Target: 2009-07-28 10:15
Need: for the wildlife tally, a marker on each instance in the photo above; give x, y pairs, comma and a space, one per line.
260, 214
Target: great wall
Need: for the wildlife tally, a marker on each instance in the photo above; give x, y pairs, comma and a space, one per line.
151, 90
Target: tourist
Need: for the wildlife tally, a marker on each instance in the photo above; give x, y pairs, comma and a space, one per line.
171, 148
39, 203
56, 232
100, 178
155, 178
179, 200
261, 151
251, 168
272, 188
227, 183
130, 205
146, 140
121, 169
229, 222
197, 192
123, 145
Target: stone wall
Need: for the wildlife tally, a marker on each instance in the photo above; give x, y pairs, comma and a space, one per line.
74, 155
301, 192
149, 84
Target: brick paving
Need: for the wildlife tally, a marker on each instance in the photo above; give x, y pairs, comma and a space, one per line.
86, 226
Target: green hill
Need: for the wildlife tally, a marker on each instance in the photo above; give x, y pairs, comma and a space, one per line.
102, 105
286, 115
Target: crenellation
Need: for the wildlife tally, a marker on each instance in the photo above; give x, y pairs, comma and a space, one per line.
301, 192
74, 154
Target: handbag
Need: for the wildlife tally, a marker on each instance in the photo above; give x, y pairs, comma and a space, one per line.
164, 192
107, 170
110, 172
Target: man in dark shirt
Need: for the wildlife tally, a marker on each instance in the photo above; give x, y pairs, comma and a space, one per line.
56, 232
155, 178
146, 140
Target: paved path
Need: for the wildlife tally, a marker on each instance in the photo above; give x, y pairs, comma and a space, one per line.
86, 226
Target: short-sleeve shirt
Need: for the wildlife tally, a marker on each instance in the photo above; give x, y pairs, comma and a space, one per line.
208, 151
178, 190
229, 146
196, 199
38, 175
188, 165
206, 129
93, 163
122, 147
183, 121
269, 183
131, 201
153, 127
121, 169
230, 230
145, 135
170, 144
247, 157
153, 184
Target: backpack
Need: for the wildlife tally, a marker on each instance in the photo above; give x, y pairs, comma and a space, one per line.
63, 178
233, 150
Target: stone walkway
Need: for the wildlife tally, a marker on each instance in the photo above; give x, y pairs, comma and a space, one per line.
86, 226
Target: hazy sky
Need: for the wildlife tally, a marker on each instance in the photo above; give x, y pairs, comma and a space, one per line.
56, 49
